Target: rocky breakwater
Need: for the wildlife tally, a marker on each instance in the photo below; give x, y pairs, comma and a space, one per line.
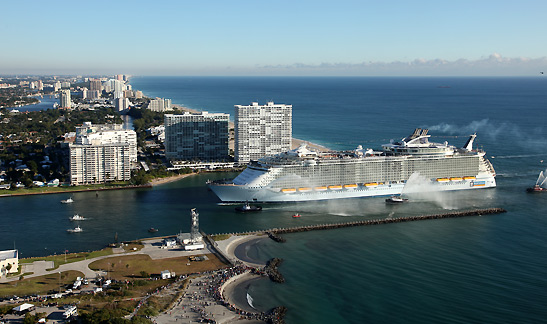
271, 269
466, 213
277, 315
276, 237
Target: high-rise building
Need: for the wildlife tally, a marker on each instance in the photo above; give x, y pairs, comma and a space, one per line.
157, 104
93, 94
122, 104
102, 153
202, 137
167, 104
89, 134
99, 163
65, 101
95, 85
262, 130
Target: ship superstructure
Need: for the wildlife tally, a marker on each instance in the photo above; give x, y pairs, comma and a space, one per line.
304, 175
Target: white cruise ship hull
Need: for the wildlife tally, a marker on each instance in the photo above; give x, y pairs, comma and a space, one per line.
242, 193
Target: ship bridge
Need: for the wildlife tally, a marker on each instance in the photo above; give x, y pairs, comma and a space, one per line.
418, 143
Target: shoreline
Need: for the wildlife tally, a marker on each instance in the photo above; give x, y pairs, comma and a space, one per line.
235, 248
148, 185
160, 181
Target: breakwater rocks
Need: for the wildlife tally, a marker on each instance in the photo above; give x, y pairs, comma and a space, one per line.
276, 237
276, 315
272, 271
474, 212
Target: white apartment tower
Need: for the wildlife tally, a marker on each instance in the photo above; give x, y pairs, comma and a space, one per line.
65, 99
102, 153
202, 137
160, 105
262, 130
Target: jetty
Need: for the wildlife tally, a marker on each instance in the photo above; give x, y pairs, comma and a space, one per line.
273, 233
474, 212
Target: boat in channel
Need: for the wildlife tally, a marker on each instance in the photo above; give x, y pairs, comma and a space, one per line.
67, 201
540, 184
76, 229
77, 217
395, 199
305, 175
248, 208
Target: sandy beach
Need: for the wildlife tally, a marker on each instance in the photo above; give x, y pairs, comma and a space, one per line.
159, 181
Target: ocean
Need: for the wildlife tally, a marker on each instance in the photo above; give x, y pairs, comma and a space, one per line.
488, 269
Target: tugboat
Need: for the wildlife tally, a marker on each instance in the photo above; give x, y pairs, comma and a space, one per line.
396, 200
538, 187
248, 208
67, 201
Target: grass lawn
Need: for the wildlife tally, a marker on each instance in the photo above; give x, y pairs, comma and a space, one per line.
39, 285
73, 257
130, 266
221, 237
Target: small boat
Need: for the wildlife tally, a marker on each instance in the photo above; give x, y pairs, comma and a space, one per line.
539, 186
152, 230
248, 208
67, 201
536, 188
296, 215
396, 200
76, 229
77, 218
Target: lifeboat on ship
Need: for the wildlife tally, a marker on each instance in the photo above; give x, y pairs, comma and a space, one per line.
469, 178
335, 187
288, 190
371, 184
304, 189
442, 180
320, 188
456, 179
350, 186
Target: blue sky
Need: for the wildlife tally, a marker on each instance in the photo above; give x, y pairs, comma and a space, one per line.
274, 37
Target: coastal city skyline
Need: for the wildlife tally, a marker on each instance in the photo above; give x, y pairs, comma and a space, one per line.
282, 38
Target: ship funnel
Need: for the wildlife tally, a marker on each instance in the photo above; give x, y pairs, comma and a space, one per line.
469, 144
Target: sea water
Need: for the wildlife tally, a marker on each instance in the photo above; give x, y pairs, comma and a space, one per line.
488, 269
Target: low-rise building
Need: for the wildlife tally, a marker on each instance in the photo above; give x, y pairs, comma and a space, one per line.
9, 262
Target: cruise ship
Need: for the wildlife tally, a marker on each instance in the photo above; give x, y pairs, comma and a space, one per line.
409, 165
